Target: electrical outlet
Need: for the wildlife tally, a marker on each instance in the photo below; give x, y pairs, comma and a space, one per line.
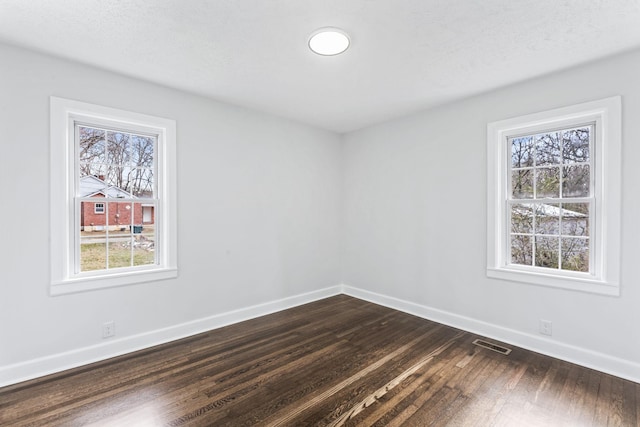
108, 329
546, 327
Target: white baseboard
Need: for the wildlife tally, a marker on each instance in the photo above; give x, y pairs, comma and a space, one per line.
599, 361
34, 368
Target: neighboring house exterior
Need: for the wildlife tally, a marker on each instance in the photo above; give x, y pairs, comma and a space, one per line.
117, 215
573, 223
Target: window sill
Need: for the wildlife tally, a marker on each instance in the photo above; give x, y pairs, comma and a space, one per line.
593, 286
83, 284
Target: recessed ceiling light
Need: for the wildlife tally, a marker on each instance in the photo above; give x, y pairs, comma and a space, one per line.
329, 41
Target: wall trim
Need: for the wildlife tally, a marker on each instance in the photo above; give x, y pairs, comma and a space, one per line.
35, 368
580, 356
30, 369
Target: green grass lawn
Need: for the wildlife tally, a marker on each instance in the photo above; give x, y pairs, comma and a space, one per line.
93, 256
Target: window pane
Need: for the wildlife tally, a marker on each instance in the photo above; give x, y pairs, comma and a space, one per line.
142, 151
548, 219
547, 251
575, 219
548, 149
91, 152
548, 182
522, 152
148, 215
575, 254
575, 145
93, 216
118, 148
522, 218
120, 234
93, 251
144, 246
91, 145
119, 163
522, 184
96, 170
119, 252
116, 180
93, 236
141, 182
120, 216
575, 181
521, 250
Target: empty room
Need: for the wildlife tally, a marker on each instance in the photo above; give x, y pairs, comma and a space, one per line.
335, 213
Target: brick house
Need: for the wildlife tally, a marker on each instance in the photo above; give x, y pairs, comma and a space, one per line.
116, 215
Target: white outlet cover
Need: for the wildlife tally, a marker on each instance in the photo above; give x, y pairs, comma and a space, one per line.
546, 327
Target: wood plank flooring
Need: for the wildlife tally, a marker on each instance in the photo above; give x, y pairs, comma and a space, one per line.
336, 362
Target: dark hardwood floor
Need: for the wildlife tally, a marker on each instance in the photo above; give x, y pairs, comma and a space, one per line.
339, 361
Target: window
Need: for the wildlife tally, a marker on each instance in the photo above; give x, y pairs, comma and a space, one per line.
112, 171
549, 205
554, 197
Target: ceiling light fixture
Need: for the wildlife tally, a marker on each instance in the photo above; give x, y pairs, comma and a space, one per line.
329, 41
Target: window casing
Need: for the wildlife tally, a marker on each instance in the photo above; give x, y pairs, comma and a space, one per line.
105, 164
554, 197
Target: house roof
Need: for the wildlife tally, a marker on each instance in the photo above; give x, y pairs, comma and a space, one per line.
91, 186
544, 209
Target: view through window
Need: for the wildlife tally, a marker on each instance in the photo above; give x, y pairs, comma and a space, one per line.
116, 199
551, 201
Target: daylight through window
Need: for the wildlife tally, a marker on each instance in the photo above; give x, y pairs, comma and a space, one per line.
115, 165
550, 203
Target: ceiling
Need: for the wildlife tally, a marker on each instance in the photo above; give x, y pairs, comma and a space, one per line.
406, 55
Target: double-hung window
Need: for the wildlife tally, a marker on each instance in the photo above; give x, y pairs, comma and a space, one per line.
554, 197
113, 197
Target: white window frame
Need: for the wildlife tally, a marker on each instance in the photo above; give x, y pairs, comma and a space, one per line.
604, 277
64, 115
95, 208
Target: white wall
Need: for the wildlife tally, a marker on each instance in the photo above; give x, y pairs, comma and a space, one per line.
415, 192
273, 214
258, 219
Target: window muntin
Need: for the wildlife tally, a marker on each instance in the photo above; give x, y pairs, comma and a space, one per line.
549, 205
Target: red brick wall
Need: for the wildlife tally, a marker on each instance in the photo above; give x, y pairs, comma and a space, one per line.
118, 214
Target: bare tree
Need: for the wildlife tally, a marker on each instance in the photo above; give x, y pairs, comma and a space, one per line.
552, 235
92, 151
121, 159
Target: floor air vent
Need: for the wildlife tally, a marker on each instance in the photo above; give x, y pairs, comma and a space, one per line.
491, 346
